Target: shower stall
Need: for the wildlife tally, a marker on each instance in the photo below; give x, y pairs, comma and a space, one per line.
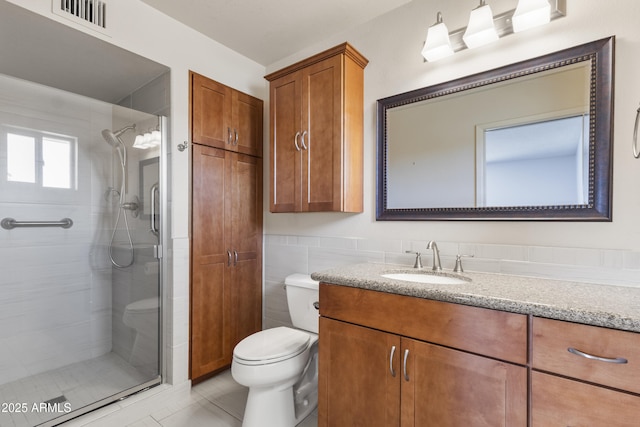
83, 212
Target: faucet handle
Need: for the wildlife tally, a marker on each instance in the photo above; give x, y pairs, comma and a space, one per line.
418, 263
458, 268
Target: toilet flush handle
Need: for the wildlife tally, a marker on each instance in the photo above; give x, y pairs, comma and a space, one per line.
316, 305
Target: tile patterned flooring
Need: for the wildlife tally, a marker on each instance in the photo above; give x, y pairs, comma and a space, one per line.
217, 402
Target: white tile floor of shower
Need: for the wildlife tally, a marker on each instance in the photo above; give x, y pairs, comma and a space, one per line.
217, 402
80, 383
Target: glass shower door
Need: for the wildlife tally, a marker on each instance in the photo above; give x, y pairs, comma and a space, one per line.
81, 193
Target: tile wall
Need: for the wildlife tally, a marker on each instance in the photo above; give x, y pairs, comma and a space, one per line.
287, 254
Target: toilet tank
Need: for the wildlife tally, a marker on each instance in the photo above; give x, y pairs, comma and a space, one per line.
302, 296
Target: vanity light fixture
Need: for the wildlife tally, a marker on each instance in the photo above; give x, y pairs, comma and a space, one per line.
531, 14
437, 45
527, 14
481, 29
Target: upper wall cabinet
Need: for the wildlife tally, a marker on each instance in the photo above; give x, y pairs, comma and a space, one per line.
224, 117
316, 133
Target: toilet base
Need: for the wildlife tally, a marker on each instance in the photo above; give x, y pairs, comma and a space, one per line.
269, 408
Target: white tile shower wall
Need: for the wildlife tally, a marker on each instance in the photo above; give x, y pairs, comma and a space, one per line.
286, 254
55, 284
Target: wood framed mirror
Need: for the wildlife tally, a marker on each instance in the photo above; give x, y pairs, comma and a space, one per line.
527, 141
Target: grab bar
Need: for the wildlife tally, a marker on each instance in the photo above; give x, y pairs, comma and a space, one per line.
10, 223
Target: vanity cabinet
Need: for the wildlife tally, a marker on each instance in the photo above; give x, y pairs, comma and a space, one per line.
223, 117
226, 255
316, 133
584, 375
395, 360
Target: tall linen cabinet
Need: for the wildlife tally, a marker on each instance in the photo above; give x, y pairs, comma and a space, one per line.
226, 234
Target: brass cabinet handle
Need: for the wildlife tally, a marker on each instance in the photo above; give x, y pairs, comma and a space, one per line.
404, 364
619, 360
393, 351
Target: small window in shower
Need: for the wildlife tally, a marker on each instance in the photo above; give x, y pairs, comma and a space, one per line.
42, 159
21, 158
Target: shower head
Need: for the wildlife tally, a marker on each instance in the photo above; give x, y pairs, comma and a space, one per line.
110, 137
113, 138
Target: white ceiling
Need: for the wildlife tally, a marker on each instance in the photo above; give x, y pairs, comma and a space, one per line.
269, 30
38, 49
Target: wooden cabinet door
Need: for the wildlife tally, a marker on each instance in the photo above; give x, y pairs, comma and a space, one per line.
211, 104
211, 309
226, 295
446, 387
322, 136
247, 124
285, 167
356, 386
246, 246
563, 402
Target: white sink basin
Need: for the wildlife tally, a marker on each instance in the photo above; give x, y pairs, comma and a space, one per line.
434, 279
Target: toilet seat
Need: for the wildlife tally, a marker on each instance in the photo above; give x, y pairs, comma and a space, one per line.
144, 305
271, 346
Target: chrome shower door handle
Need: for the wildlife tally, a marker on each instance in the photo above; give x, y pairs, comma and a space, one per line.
153, 191
634, 144
393, 351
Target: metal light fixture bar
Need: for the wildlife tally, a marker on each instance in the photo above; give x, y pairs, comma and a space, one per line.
503, 24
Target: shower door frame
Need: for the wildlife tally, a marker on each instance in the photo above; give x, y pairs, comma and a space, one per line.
160, 251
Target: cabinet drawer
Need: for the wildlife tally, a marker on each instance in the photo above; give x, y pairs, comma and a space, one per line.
559, 401
492, 333
552, 340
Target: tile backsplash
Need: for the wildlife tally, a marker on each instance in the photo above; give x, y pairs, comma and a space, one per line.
286, 254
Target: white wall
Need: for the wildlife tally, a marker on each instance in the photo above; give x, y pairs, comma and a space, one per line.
56, 294
392, 44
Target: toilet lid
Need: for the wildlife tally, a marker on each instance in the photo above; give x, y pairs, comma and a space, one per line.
271, 345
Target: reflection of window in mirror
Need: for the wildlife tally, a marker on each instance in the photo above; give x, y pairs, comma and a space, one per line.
534, 162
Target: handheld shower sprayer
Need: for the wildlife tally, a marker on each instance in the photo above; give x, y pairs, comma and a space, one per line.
113, 139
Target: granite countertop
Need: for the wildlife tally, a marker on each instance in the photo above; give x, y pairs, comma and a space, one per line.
615, 307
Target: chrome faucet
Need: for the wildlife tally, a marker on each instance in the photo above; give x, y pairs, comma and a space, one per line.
436, 255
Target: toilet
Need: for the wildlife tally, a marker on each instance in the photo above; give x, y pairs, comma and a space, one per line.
143, 316
280, 365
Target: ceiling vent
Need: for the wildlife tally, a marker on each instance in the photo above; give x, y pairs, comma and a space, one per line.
90, 13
